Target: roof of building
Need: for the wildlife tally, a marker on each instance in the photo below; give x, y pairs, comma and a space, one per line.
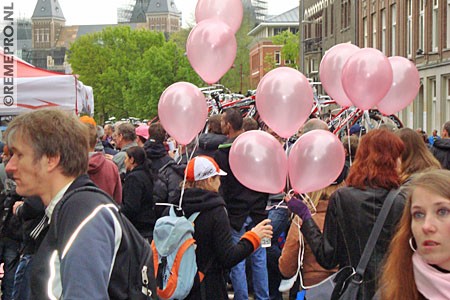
162, 6
70, 34
48, 9
290, 17
139, 9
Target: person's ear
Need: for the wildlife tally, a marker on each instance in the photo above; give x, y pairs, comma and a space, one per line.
52, 162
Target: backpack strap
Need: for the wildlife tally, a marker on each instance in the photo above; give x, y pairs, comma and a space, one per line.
67, 196
375, 233
193, 217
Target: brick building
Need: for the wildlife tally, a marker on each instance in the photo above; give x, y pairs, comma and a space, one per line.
420, 31
262, 50
416, 29
50, 37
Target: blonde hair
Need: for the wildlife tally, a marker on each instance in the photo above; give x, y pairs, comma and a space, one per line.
416, 157
325, 193
199, 184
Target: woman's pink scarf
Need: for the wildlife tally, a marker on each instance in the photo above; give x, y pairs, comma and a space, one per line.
431, 283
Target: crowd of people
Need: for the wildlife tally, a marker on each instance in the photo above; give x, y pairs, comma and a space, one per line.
70, 254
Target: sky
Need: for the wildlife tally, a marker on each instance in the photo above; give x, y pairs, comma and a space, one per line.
83, 12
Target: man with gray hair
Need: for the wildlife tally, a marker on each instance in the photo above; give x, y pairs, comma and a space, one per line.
125, 137
81, 232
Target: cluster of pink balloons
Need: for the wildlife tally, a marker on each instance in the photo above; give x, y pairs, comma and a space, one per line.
211, 49
367, 78
259, 162
284, 99
211, 45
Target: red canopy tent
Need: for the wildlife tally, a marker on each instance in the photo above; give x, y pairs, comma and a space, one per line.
38, 88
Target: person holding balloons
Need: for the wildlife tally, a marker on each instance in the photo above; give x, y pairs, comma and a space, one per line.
246, 208
353, 210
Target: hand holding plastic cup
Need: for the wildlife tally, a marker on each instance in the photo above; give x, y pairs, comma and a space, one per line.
264, 231
266, 242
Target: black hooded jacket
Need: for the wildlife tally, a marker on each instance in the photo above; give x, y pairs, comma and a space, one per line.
441, 150
157, 153
241, 201
349, 220
214, 241
137, 201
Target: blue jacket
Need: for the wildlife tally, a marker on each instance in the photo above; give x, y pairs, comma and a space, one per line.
76, 258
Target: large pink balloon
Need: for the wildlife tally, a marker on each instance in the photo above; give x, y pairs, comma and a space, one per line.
331, 69
182, 111
315, 161
258, 161
211, 49
284, 99
229, 11
367, 77
405, 86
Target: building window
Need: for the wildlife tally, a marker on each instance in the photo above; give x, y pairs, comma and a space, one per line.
36, 35
365, 32
433, 99
345, 14
383, 31
314, 66
394, 29
319, 28
409, 33
435, 25
422, 24
332, 19
325, 23
277, 58
447, 116
374, 30
47, 35
277, 31
448, 24
349, 13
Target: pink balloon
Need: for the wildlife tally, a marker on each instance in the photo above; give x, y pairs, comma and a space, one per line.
284, 99
229, 12
182, 111
367, 77
315, 161
405, 86
258, 161
330, 71
211, 49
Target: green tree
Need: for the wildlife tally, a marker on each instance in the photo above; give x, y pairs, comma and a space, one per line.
180, 37
128, 70
238, 77
290, 50
159, 68
269, 62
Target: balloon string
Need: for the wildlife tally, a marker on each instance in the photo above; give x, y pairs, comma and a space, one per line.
349, 151
286, 145
347, 122
308, 201
188, 157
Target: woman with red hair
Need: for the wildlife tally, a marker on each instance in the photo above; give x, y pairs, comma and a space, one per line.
353, 210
